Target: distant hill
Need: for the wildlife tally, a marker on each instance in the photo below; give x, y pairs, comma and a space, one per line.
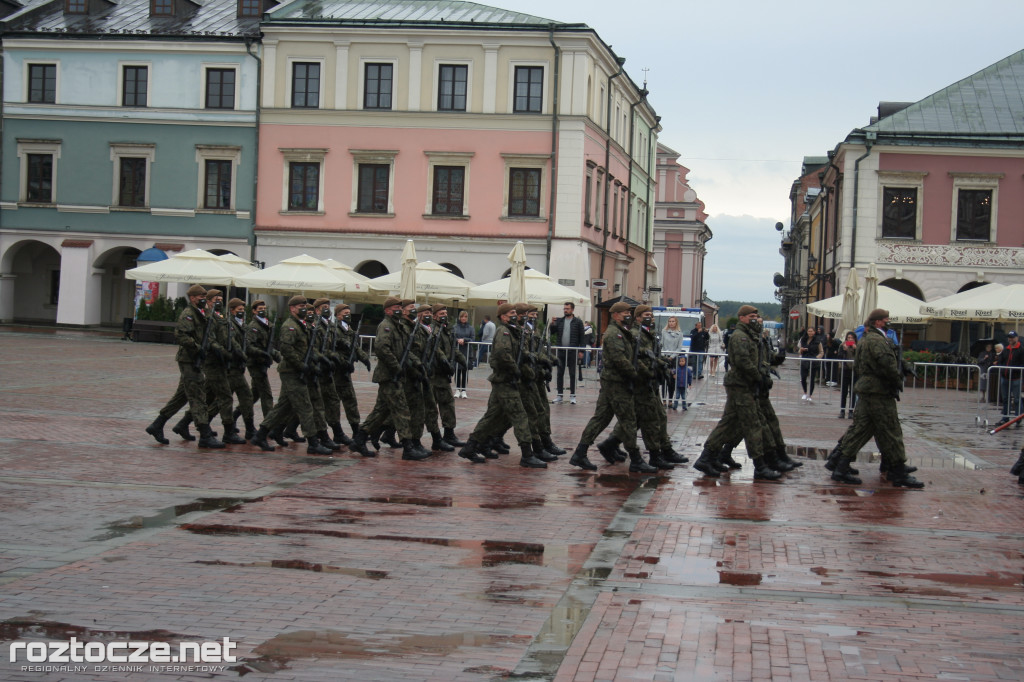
770, 311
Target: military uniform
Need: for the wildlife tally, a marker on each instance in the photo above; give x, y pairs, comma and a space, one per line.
346, 343
391, 406
189, 333
215, 367
650, 411
259, 355
236, 374
446, 357
294, 396
325, 376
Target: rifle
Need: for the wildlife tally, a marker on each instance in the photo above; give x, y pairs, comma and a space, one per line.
449, 361
350, 362
307, 371
204, 346
326, 347
405, 355
270, 345
430, 352
636, 361
227, 355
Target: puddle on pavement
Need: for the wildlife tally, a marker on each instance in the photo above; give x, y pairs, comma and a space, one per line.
166, 517
990, 579
300, 565
17, 628
275, 654
703, 571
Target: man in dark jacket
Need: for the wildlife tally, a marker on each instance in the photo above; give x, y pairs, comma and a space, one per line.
699, 340
568, 333
1011, 359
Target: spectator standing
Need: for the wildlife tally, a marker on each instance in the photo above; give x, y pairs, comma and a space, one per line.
716, 344
1012, 362
699, 340
486, 339
672, 342
463, 337
683, 379
986, 358
588, 341
847, 351
811, 351
567, 331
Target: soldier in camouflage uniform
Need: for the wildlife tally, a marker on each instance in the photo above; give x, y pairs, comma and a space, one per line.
294, 396
446, 357
529, 368
615, 400
261, 355
215, 366
389, 346
741, 416
879, 382
543, 361
236, 371
347, 352
324, 363
505, 401
190, 333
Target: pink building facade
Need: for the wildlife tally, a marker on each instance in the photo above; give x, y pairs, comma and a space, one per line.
680, 233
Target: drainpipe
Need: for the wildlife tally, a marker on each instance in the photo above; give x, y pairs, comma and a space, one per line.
869, 140
607, 162
256, 145
554, 145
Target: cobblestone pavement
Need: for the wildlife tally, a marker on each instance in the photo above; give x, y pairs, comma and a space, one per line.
346, 568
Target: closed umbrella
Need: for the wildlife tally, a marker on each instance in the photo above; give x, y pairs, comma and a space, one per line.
870, 293
195, 266
540, 290
851, 303
429, 279
517, 277
407, 285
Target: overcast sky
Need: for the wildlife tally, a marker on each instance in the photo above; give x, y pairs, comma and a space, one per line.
746, 89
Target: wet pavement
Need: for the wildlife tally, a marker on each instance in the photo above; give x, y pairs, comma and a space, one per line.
355, 569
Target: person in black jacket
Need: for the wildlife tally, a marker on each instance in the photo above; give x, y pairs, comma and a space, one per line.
1012, 360
699, 339
567, 332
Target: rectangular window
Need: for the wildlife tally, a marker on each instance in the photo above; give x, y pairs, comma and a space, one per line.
42, 83
135, 83
373, 188
524, 192
377, 86
303, 186
76, 7
218, 184
54, 287
974, 215
249, 8
305, 85
899, 212
132, 186
39, 187
451, 91
449, 187
529, 92
587, 199
220, 88
162, 8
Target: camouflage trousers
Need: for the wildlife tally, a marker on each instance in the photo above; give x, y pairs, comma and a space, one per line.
445, 401
347, 396
650, 420
741, 420
293, 400
771, 432
875, 417
316, 399
391, 408
504, 409
332, 401
545, 408
614, 401
240, 388
218, 393
260, 386
191, 392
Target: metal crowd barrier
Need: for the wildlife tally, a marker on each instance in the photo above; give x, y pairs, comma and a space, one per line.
999, 396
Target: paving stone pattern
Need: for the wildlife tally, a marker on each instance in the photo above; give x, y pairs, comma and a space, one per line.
346, 568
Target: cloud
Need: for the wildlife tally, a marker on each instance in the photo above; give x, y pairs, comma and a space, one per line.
742, 257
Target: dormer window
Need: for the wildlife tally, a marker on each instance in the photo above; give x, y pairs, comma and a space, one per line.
249, 8
76, 6
162, 8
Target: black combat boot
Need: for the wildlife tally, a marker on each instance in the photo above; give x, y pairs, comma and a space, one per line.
359, 444
783, 456
471, 451
487, 449
540, 453
250, 429
844, 473
418, 445
833, 459
326, 442
528, 461
207, 439
450, 437
501, 446
772, 461
725, 457
387, 436
339, 435
607, 448
1018, 466
901, 478
313, 446
706, 464
231, 436
234, 420
659, 462
637, 465
260, 440
156, 429
550, 446
883, 469
410, 452
580, 459
291, 432
278, 436
670, 455
440, 444
764, 472
181, 428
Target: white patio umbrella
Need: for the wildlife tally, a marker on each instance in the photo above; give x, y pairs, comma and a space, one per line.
966, 305
517, 277
407, 282
540, 290
870, 294
429, 279
851, 303
903, 309
196, 266
308, 276
236, 264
